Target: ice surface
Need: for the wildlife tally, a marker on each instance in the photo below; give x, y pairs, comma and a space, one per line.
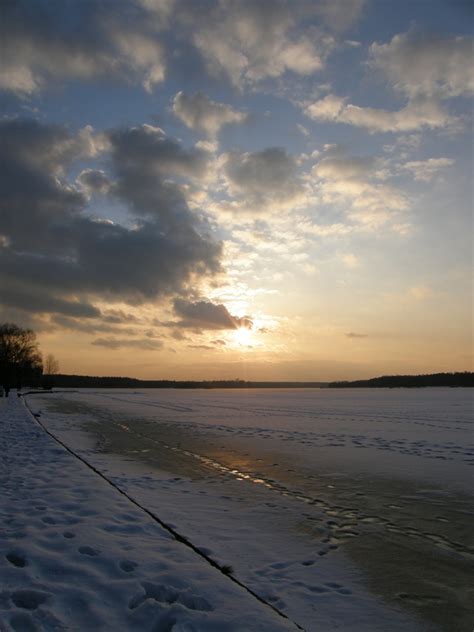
346, 509
77, 555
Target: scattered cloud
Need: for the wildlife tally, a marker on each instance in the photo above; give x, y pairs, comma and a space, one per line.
198, 112
251, 41
40, 44
416, 115
426, 170
426, 66
359, 182
302, 129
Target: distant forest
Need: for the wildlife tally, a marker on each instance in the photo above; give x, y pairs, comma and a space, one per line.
86, 381
387, 381
410, 381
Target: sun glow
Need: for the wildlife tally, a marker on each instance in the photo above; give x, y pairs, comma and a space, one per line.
243, 336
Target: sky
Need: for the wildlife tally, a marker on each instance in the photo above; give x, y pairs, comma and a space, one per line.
271, 190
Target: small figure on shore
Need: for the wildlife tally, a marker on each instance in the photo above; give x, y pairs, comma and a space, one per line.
7, 389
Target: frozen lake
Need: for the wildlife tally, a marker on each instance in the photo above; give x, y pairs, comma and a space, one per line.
345, 508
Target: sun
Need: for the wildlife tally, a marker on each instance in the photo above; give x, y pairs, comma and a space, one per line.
243, 336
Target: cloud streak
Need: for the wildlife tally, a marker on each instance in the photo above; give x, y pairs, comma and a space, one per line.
414, 116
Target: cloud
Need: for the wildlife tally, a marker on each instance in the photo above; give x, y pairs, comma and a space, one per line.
415, 115
354, 183
128, 343
23, 298
93, 181
428, 66
353, 334
251, 41
344, 167
208, 315
350, 260
51, 242
198, 112
46, 41
303, 129
426, 170
262, 179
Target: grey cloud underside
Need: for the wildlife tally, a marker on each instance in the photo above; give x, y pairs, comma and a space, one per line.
144, 344
50, 41
206, 315
94, 181
262, 177
64, 259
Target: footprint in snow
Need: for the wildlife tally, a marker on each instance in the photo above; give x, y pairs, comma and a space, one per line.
69, 534
28, 599
88, 550
169, 595
16, 559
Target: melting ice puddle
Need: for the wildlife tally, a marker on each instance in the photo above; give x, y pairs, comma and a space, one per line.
339, 532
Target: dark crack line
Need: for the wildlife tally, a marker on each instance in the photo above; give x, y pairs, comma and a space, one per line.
178, 536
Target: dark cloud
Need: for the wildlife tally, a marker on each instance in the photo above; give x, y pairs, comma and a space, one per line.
90, 326
207, 315
262, 178
145, 160
51, 40
23, 298
94, 181
53, 250
128, 343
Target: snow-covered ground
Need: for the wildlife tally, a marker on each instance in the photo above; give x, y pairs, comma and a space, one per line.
78, 555
344, 509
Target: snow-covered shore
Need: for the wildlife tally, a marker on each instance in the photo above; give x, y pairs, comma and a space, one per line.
75, 554
344, 511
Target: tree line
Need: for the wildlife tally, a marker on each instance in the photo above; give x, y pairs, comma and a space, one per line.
21, 362
464, 378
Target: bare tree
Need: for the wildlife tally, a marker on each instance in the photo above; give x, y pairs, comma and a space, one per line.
20, 358
51, 365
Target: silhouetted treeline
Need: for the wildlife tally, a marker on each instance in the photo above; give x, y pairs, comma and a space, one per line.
410, 381
86, 381
386, 381
20, 359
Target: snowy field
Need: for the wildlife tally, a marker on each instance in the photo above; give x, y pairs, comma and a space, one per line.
342, 509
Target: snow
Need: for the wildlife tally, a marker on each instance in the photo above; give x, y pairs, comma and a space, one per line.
327, 504
75, 554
